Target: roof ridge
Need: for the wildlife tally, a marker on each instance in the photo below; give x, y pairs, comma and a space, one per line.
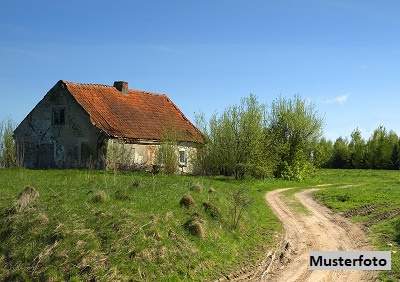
111, 86
86, 84
147, 92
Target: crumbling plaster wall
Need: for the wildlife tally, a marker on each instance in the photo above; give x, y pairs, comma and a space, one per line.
144, 154
40, 143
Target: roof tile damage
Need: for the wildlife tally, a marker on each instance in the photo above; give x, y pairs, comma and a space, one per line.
137, 115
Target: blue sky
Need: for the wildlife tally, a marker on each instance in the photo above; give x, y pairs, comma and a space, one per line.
342, 55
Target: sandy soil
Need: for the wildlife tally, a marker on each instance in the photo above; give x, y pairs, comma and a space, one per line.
319, 230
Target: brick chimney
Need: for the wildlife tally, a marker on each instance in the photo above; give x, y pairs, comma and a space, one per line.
121, 86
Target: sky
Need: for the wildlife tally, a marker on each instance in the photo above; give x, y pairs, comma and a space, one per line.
341, 55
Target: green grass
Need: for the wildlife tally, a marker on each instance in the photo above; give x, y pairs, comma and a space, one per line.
379, 189
94, 224
291, 200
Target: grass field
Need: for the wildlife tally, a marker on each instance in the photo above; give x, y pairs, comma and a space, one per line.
95, 224
373, 201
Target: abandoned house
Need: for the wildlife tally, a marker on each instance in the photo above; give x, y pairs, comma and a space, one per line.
92, 126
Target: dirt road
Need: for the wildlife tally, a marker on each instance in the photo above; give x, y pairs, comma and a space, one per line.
319, 230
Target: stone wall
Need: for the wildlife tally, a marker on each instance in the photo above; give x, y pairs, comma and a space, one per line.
45, 141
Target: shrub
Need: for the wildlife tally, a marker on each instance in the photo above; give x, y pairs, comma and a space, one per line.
187, 201
167, 158
195, 227
99, 197
212, 210
120, 156
197, 187
239, 202
8, 156
297, 171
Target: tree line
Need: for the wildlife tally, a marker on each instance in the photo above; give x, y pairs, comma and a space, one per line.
283, 139
380, 151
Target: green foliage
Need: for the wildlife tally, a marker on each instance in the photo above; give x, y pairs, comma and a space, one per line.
294, 128
322, 156
235, 141
341, 154
167, 157
246, 140
380, 151
7, 145
357, 149
380, 191
298, 170
240, 201
395, 158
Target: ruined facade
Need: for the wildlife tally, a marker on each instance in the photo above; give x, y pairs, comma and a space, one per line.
92, 126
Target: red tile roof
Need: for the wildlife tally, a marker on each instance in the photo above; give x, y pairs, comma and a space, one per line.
138, 115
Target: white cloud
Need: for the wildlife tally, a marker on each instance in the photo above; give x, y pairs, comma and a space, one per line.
341, 99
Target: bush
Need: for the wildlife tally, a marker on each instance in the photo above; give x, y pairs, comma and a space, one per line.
187, 201
197, 187
8, 156
249, 140
212, 210
195, 227
99, 197
240, 201
167, 158
298, 171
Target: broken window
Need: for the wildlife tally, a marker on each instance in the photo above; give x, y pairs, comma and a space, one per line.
58, 116
182, 157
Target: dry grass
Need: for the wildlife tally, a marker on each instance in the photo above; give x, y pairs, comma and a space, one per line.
212, 210
195, 227
26, 198
187, 201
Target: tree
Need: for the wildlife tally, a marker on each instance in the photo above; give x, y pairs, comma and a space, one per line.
341, 154
395, 158
235, 141
7, 144
294, 127
357, 149
322, 155
380, 148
